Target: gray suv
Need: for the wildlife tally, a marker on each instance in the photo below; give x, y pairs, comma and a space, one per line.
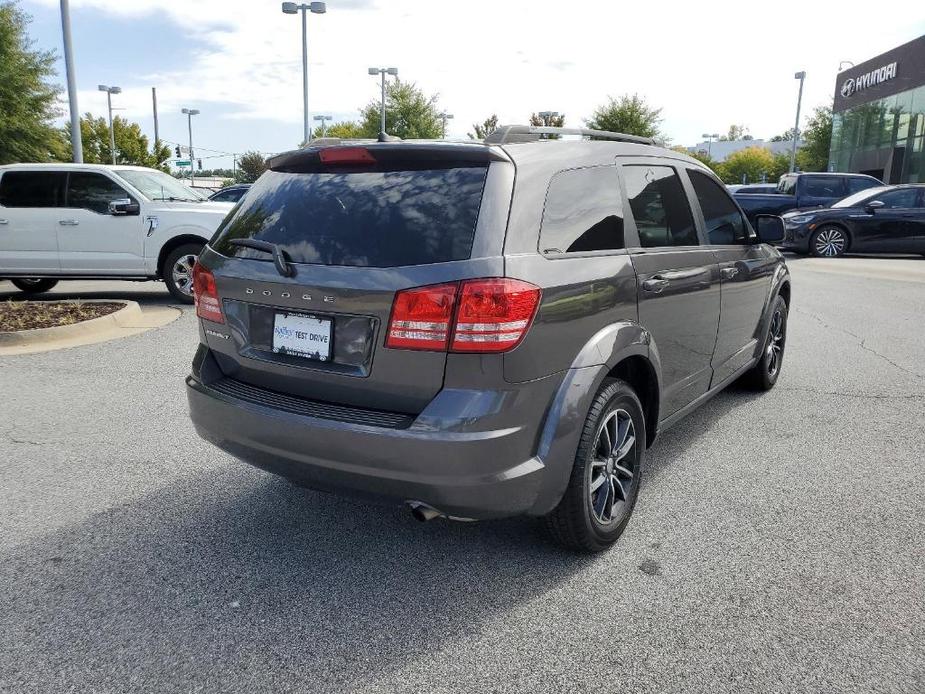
484, 329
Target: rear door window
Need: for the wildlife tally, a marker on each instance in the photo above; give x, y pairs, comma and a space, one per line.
823, 187
855, 185
32, 188
724, 223
364, 219
93, 191
583, 212
659, 205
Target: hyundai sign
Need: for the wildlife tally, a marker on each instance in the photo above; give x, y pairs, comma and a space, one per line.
896, 71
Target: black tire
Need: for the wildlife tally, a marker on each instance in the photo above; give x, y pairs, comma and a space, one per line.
764, 374
829, 241
33, 286
180, 284
575, 523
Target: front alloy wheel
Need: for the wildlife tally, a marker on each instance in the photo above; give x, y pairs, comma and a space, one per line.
829, 242
183, 274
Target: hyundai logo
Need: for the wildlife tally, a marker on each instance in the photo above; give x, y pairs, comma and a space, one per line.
847, 89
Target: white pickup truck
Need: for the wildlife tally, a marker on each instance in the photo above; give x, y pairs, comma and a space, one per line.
89, 221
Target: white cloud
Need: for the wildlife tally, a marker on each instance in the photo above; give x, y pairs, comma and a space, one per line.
707, 64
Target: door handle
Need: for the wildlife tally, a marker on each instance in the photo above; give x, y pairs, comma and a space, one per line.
68, 222
4, 221
727, 273
656, 284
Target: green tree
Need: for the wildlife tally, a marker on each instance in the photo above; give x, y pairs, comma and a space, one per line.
786, 136
547, 121
131, 144
485, 128
346, 130
27, 100
409, 113
250, 166
629, 114
735, 133
817, 140
702, 157
749, 165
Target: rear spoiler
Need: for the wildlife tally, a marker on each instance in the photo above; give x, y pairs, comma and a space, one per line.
388, 155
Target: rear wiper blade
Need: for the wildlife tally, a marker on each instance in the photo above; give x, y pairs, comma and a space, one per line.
279, 256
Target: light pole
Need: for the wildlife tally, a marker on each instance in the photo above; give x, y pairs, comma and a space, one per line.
112, 135
709, 138
77, 150
547, 116
322, 118
190, 112
314, 8
444, 117
796, 126
383, 71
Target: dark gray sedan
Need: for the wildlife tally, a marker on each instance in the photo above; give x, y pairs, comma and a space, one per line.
886, 219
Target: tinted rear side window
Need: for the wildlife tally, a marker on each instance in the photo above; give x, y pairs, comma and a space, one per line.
32, 188
660, 208
583, 212
856, 185
725, 224
824, 187
366, 219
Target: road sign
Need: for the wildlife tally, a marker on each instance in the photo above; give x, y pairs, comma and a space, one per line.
182, 162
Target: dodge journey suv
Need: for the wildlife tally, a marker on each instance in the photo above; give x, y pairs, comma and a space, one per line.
481, 330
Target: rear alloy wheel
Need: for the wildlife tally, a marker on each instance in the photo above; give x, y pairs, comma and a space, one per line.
31, 285
177, 271
829, 242
604, 485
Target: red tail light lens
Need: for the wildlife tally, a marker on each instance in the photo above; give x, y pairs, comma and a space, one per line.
421, 318
494, 314
205, 295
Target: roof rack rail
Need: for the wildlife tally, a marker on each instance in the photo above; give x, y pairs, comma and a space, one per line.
530, 133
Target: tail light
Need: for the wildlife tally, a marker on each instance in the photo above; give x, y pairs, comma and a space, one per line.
205, 295
485, 315
494, 314
421, 318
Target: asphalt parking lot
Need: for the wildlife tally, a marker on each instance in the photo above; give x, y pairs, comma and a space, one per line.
778, 545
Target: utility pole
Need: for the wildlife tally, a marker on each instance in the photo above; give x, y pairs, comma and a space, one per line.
157, 136
796, 126
314, 8
77, 151
190, 112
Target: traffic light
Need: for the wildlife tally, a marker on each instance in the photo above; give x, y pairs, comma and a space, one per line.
199, 164
177, 150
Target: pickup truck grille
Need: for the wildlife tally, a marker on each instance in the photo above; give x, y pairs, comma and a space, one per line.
310, 408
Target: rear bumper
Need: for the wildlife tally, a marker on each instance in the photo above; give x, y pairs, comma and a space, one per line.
463, 455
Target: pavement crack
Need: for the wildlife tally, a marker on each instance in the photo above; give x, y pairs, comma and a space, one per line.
858, 396
862, 343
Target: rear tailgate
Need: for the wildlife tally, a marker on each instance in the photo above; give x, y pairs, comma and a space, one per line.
356, 235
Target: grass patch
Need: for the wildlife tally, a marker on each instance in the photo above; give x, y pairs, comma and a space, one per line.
29, 315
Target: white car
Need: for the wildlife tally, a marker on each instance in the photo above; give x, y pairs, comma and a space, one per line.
89, 221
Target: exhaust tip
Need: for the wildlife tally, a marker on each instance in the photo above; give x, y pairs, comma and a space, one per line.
422, 512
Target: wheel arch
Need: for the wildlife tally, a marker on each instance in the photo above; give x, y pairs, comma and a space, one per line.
172, 244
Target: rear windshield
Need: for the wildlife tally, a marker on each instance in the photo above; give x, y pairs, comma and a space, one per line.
364, 219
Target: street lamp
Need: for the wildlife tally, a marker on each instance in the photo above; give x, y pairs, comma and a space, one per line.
443, 118
314, 8
844, 62
796, 126
322, 119
112, 136
547, 116
709, 138
77, 153
190, 112
383, 71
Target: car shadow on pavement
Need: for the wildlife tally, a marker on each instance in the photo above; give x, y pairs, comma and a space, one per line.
148, 294
232, 577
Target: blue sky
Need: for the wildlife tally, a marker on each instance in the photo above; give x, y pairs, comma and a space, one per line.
707, 64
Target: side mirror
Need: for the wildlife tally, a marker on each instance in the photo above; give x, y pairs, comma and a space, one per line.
770, 228
874, 205
124, 206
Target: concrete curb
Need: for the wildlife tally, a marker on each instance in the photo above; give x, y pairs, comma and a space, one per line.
128, 320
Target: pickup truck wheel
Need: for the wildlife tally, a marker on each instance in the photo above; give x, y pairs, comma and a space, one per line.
764, 374
604, 484
177, 271
33, 286
829, 242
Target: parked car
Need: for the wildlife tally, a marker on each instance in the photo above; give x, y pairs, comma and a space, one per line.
803, 191
231, 193
886, 219
89, 221
413, 321
750, 188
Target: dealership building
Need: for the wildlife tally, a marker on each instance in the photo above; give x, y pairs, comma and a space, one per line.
879, 116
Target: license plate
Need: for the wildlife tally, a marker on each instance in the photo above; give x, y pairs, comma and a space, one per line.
302, 335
